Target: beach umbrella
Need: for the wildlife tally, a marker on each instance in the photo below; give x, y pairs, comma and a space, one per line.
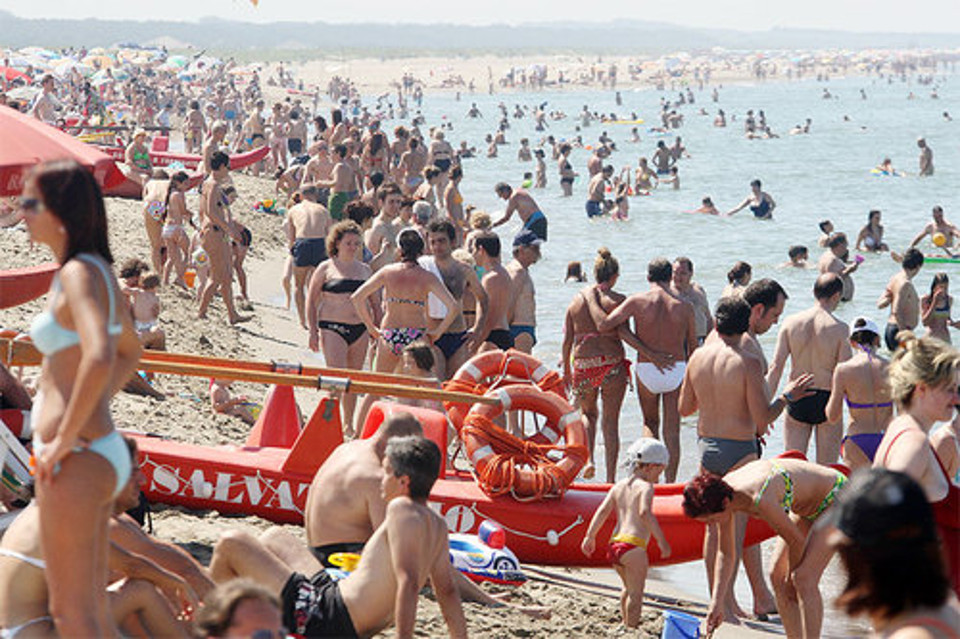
24, 93
26, 142
12, 74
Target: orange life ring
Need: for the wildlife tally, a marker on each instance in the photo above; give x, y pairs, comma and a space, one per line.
488, 370
505, 464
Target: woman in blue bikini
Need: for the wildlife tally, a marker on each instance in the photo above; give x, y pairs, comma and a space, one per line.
788, 494
862, 381
90, 351
405, 288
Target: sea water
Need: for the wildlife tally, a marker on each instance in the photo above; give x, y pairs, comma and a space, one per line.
822, 175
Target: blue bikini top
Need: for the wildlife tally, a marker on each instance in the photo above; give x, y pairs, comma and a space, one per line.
46, 332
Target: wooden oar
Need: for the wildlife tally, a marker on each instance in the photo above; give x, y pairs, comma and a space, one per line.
24, 353
330, 383
150, 357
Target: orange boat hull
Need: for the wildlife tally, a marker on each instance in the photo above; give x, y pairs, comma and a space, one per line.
21, 285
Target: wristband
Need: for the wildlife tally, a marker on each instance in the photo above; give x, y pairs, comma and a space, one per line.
787, 398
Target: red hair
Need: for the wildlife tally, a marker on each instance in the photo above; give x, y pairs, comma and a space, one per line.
706, 494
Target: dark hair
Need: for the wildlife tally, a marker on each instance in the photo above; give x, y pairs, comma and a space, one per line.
376, 179
685, 261
401, 424
764, 291
73, 196
739, 271
938, 278
824, 224
912, 258
503, 187
417, 458
442, 226
659, 270
456, 172
732, 315
216, 615
358, 212
387, 190
341, 150
422, 354
705, 494
219, 159
871, 214
756, 183
827, 285
796, 251
376, 142
337, 232
863, 337
565, 148
489, 243
411, 245
836, 240
336, 116
606, 266
133, 267
321, 123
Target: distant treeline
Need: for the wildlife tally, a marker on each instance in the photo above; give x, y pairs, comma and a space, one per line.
613, 37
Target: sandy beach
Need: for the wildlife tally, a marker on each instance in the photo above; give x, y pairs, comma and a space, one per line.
579, 610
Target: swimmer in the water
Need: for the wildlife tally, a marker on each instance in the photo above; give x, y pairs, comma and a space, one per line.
886, 167
759, 201
826, 230
871, 235
707, 207
798, 255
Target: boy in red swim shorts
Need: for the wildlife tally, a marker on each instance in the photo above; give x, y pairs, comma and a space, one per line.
633, 500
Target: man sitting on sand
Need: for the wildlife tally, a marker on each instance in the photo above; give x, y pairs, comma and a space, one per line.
410, 546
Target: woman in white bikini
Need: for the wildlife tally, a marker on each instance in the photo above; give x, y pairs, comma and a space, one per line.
90, 351
174, 235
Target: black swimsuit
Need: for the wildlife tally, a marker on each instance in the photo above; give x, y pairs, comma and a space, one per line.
341, 285
349, 332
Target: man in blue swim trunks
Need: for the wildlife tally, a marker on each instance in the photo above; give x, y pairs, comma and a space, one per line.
596, 190
523, 296
307, 230
526, 207
815, 341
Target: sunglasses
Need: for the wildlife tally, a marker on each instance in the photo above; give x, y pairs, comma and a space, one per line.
30, 204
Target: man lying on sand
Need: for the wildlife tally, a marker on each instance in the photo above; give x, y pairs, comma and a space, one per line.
345, 507
409, 547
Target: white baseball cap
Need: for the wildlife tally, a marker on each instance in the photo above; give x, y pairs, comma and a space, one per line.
647, 450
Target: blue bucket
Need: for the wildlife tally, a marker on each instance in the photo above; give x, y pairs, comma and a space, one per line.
678, 625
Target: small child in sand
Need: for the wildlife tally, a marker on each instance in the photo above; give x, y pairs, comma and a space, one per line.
145, 305
633, 499
222, 401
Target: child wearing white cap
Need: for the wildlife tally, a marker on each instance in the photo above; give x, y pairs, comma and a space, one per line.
632, 498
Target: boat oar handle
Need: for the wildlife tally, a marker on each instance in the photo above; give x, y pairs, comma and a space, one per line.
322, 382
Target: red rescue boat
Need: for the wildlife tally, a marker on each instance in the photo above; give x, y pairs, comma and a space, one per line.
21, 285
271, 481
132, 190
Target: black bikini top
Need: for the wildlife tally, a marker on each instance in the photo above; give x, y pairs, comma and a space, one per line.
342, 285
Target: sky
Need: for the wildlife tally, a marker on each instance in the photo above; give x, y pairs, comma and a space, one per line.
751, 15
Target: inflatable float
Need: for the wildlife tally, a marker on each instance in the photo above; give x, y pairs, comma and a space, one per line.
21, 285
132, 190
941, 259
269, 474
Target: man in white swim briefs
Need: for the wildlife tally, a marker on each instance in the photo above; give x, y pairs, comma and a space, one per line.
666, 326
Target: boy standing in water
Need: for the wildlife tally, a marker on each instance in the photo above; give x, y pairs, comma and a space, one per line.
633, 499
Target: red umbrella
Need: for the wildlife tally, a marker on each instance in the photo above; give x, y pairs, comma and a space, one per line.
11, 74
26, 141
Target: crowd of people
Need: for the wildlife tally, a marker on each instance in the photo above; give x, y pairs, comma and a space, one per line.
389, 269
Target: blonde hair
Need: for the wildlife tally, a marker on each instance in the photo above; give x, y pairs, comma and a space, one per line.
924, 360
480, 220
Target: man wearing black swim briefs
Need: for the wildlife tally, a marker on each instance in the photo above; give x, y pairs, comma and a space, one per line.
309, 223
815, 341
